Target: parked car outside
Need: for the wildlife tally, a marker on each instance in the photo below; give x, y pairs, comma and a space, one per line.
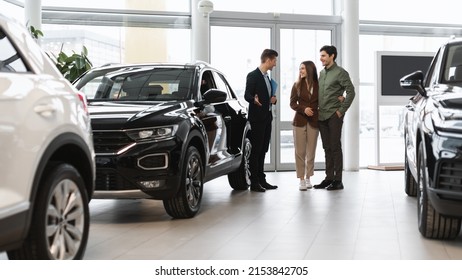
433, 141
162, 130
47, 165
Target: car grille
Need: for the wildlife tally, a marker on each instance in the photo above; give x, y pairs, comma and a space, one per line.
450, 176
108, 179
109, 142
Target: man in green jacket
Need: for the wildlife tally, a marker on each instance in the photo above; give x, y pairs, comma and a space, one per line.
334, 82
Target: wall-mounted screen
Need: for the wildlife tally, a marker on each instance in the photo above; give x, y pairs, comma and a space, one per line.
394, 67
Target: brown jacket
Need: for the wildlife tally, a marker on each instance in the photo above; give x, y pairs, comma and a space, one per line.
300, 100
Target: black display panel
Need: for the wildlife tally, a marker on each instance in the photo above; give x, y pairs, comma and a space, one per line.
394, 67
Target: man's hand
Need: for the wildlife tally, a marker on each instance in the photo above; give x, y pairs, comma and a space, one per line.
273, 99
339, 114
256, 100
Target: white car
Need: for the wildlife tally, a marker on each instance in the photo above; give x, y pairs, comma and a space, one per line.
47, 166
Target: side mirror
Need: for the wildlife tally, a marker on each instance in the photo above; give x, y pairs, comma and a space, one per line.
214, 96
414, 81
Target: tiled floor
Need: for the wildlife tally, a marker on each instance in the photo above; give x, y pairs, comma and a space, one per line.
372, 218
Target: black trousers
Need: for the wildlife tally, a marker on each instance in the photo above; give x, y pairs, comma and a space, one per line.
331, 134
260, 136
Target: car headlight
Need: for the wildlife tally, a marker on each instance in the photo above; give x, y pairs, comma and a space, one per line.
447, 120
152, 133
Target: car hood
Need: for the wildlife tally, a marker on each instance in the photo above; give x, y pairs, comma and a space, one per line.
451, 97
116, 115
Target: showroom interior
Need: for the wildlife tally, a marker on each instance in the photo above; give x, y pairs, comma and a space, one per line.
372, 218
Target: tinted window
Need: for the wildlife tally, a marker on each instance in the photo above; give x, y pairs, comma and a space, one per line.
222, 84
453, 64
133, 84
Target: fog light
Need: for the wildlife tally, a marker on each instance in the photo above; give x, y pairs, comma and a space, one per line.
150, 184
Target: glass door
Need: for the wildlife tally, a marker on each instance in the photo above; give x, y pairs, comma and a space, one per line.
296, 45
236, 51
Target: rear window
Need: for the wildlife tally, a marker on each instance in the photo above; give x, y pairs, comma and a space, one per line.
137, 84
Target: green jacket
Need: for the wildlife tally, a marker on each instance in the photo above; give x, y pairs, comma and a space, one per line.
333, 82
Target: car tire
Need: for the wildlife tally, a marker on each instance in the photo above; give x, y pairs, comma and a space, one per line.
431, 223
186, 203
61, 219
410, 184
240, 179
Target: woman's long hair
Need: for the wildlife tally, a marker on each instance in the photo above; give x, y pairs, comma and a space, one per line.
311, 76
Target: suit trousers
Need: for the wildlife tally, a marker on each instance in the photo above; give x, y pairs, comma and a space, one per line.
305, 140
260, 136
331, 133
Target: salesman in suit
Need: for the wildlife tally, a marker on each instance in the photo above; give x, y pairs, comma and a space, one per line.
260, 93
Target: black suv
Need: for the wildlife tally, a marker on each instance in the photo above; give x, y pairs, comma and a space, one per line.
433, 141
162, 130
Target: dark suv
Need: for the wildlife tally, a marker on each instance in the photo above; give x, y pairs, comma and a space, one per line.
162, 130
433, 141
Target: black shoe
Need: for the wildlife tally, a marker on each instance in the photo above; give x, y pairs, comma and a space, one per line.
268, 186
324, 184
257, 188
336, 185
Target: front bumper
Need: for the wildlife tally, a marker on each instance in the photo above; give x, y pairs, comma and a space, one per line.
445, 192
144, 170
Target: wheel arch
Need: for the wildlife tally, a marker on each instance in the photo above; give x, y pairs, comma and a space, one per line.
196, 139
69, 148
72, 149
245, 134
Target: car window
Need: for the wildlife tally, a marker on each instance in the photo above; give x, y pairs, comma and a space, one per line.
453, 64
10, 60
138, 84
207, 82
432, 74
222, 84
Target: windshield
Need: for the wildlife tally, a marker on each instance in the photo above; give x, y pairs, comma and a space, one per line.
453, 65
138, 84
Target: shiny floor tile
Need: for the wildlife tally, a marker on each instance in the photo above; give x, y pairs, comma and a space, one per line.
372, 218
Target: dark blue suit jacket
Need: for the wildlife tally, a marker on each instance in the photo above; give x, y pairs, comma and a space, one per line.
256, 84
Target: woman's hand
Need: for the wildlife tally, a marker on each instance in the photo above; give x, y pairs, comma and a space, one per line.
309, 112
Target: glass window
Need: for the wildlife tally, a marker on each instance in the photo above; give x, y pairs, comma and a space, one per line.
243, 58
312, 7
297, 45
391, 145
138, 83
108, 44
221, 83
390, 142
144, 5
11, 10
443, 11
453, 64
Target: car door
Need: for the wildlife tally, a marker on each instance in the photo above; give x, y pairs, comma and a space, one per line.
235, 115
214, 118
415, 110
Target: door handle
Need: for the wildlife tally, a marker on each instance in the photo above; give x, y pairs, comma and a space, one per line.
45, 110
410, 108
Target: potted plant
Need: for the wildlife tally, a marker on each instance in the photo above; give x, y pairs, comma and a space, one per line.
71, 66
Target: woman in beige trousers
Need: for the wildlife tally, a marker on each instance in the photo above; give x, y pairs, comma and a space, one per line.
304, 101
